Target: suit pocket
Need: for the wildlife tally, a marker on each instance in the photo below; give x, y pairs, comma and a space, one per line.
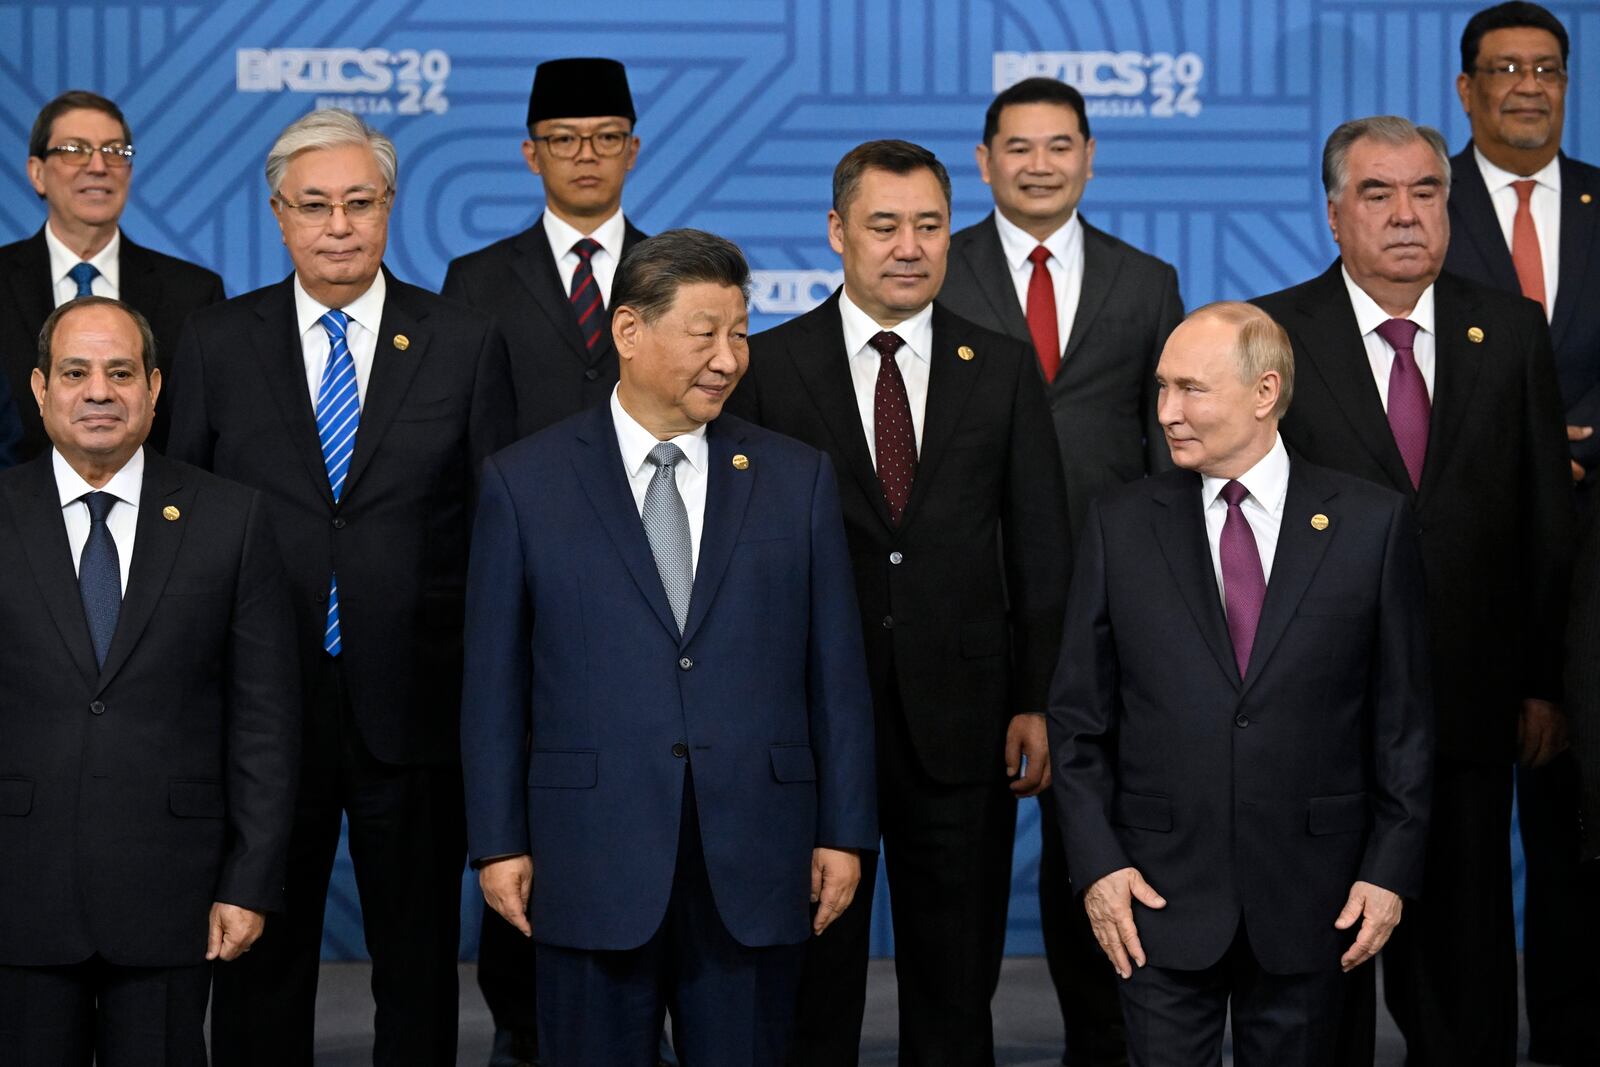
16, 796
1142, 812
980, 639
1337, 815
427, 409
1332, 607
195, 798
563, 769
793, 763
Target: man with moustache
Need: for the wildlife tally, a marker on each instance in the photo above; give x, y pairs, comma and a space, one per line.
957, 520
363, 408
1445, 391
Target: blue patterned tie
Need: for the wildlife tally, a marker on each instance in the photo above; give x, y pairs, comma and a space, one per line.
84, 274
100, 575
338, 415
666, 524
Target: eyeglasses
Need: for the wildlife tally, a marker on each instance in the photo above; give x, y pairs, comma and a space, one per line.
605, 143
1513, 72
356, 209
78, 153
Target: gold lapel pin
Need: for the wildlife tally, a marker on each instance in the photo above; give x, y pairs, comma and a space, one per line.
1475, 335
741, 462
1319, 521
170, 513
965, 352
1585, 199
402, 342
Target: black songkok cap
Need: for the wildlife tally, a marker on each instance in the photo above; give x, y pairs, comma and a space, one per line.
578, 89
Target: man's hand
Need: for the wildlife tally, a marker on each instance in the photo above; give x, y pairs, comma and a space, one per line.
1578, 433
233, 931
1026, 737
1109, 903
1382, 911
507, 884
1541, 733
835, 873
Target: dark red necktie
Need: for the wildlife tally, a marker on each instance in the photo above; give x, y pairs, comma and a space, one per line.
1042, 314
893, 436
1525, 255
1409, 407
1244, 585
585, 296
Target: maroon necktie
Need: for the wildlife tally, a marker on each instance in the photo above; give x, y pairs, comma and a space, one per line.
1244, 586
1408, 396
585, 297
892, 434
1042, 314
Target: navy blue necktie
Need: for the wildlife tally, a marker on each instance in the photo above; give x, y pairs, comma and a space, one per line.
585, 295
100, 576
84, 274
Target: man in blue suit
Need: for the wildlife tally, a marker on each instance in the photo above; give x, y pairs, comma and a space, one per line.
666, 713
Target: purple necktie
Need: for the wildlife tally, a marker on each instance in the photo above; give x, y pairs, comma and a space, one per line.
893, 434
1243, 585
1408, 396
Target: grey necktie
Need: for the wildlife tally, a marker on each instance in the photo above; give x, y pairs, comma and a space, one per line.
666, 524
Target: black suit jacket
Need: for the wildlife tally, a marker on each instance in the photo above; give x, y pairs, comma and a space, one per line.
1583, 680
1478, 251
133, 796
516, 281
1103, 398
163, 288
1495, 504
1266, 796
961, 603
398, 538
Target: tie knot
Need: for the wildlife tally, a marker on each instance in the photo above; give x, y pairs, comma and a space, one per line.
336, 323
1400, 333
1524, 189
887, 342
1039, 255
586, 248
100, 505
1234, 494
665, 455
82, 275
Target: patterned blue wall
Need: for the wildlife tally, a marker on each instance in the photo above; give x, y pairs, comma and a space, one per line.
1209, 115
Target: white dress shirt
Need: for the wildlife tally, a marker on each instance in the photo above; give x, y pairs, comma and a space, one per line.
1268, 484
608, 234
1544, 204
63, 259
123, 518
364, 315
1065, 266
635, 443
913, 358
1380, 356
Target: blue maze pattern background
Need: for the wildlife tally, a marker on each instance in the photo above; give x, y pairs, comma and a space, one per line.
744, 107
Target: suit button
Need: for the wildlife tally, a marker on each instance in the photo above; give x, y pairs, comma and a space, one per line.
685, 664
1241, 721
897, 558
322, 596
888, 622
97, 708
680, 750
338, 524
591, 375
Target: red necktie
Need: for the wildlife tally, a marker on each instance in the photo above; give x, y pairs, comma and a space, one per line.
585, 297
1409, 407
1525, 245
1244, 585
1042, 314
893, 436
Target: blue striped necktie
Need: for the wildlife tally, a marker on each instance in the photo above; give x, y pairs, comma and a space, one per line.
338, 415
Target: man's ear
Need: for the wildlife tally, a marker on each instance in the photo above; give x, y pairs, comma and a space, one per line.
625, 328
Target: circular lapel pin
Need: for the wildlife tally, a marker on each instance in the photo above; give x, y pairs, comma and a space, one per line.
402, 342
965, 352
1585, 199
741, 462
1319, 521
1475, 335
170, 513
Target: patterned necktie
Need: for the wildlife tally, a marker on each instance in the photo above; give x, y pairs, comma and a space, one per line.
1042, 314
893, 436
585, 297
338, 416
1409, 407
84, 274
1244, 586
100, 575
1525, 254
666, 524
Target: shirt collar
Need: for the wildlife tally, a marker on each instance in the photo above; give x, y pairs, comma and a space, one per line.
1267, 481
859, 328
1369, 316
365, 310
635, 442
1018, 244
125, 485
563, 235
1497, 178
107, 261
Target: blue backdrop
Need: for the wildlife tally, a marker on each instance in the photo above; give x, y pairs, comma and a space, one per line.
1209, 117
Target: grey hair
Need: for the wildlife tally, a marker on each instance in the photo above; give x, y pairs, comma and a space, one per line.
329, 127
1385, 129
1263, 346
650, 275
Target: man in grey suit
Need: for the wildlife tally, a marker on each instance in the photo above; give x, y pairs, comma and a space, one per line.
1097, 311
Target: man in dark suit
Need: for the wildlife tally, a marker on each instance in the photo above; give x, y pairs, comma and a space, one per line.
957, 520
549, 286
1583, 706
380, 402
1445, 392
1241, 722
80, 162
1100, 310
150, 713
666, 712
1523, 219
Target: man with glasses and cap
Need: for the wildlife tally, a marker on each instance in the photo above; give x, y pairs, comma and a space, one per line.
80, 163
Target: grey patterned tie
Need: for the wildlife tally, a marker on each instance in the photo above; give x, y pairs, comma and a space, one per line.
666, 524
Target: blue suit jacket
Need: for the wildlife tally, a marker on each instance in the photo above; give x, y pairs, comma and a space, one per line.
580, 691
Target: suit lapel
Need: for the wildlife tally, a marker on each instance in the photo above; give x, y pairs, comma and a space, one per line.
986, 258
1578, 225
1100, 266
393, 369
30, 280
950, 382
1180, 529
281, 358
1479, 223
727, 495
155, 549
36, 507
1300, 550
535, 267
1456, 365
139, 284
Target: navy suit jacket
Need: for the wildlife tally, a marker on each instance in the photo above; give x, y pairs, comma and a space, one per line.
571, 642
1266, 796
